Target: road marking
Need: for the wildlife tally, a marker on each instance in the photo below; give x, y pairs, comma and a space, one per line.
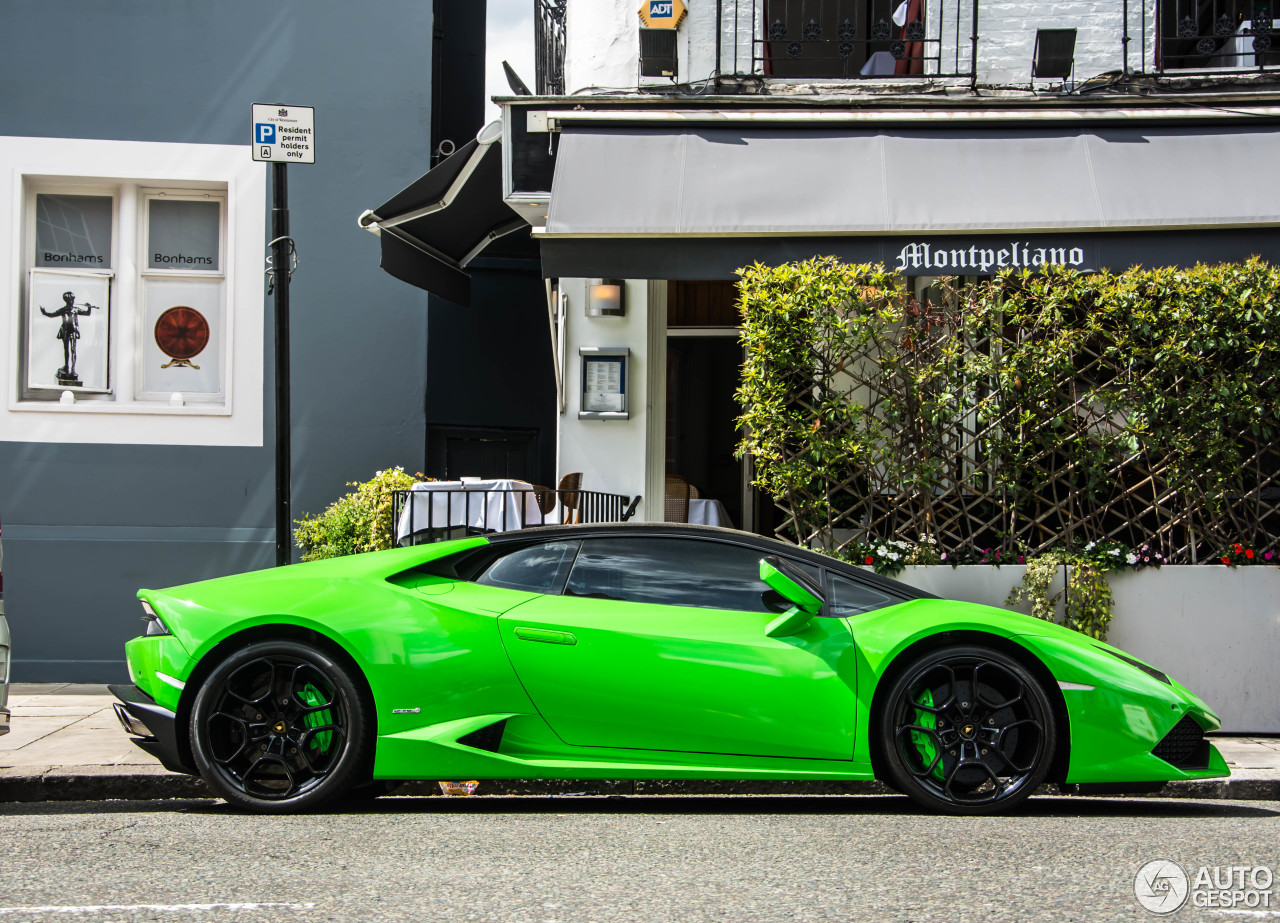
162, 908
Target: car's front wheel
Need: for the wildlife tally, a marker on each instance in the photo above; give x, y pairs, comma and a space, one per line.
967, 730
280, 727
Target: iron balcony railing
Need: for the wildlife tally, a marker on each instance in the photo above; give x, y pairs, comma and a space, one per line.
1208, 36
419, 516
839, 39
548, 44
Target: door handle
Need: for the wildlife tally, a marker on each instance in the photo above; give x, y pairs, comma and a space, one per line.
545, 635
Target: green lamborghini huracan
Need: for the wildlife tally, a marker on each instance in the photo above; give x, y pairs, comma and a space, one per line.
634, 651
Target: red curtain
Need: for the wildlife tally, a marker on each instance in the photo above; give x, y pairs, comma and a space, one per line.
912, 60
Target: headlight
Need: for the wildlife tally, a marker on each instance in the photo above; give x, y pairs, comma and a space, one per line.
1150, 671
154, 625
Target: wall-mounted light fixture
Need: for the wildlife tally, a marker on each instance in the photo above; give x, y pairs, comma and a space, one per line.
605, 298
1055, 53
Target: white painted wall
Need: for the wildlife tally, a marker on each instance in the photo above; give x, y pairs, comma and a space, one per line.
602, 43
1216, 630
609, 453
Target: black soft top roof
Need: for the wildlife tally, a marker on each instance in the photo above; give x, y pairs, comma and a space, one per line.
733, 536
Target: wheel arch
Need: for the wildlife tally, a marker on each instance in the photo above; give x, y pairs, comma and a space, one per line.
281, 631
1033, 664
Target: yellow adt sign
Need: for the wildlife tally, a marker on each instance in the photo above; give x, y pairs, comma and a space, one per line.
662, 14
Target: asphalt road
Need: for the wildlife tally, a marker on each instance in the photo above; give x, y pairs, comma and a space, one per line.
679, 859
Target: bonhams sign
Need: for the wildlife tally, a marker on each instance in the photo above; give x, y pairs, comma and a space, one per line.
988, 257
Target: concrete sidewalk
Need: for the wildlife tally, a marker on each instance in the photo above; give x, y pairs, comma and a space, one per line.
66, 744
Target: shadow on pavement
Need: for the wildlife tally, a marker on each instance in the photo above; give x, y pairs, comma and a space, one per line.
851, 805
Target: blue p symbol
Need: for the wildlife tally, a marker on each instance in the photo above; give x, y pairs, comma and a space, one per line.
264, 133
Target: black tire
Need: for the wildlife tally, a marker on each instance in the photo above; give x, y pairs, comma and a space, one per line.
281, 727
967, 730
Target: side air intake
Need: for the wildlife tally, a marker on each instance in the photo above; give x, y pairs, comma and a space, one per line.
1184, 746
488, 737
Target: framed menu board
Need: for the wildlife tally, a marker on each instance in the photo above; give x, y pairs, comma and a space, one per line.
604, 383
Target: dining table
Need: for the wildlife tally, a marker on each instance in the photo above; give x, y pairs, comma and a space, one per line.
482, 504
709, 512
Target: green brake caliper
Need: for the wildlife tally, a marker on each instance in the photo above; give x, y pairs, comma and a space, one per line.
310, 695
924, 743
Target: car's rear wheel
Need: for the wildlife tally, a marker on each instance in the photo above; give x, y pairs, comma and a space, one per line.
279, 727
967, 730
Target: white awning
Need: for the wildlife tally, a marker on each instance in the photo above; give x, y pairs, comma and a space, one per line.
788, 182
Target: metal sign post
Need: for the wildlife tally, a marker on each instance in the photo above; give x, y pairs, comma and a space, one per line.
282, 134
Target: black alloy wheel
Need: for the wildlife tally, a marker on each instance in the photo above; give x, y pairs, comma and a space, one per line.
280, 727
967, 730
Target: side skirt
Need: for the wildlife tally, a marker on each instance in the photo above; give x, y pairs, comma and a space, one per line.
527, 751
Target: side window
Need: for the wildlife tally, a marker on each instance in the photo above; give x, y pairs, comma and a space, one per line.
849, 597
535, 569
671, 572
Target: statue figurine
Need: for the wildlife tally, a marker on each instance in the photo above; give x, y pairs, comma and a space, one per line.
68, 333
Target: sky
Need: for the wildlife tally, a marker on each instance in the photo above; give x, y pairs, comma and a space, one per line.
510, 38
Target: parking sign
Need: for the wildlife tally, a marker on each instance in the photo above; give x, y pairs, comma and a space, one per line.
283, 134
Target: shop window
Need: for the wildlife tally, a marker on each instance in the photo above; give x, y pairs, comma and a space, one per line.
125, 296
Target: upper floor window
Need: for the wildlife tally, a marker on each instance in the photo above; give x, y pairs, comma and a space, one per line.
134, 307
825, 39
124, 278
1216, 34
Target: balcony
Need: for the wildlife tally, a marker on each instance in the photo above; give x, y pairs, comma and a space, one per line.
817, 40
1212, 36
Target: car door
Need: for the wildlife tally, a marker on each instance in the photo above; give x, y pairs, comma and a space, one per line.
659, 643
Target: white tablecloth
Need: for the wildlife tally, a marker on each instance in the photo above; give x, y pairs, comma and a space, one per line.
487, 504
709, 513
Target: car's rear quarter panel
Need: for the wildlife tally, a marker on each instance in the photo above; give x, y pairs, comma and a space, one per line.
438, 652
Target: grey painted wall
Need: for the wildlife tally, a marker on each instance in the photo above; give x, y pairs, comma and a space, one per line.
86, 525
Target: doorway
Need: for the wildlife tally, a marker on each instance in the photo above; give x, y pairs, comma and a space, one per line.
702, 429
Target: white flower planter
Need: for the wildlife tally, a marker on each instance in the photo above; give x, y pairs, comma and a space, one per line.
1214, 629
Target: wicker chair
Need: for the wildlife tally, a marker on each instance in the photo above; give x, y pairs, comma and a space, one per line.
676, 500
568, 489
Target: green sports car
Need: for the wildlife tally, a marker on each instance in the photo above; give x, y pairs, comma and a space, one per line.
636, 651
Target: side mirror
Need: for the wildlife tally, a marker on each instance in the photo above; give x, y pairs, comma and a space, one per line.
797, 588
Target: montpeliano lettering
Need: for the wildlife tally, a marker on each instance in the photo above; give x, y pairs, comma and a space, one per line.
48, 257
1018, 254
182, 258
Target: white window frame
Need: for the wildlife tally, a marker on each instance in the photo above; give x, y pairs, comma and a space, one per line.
146, 196
91, 166
88, 188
